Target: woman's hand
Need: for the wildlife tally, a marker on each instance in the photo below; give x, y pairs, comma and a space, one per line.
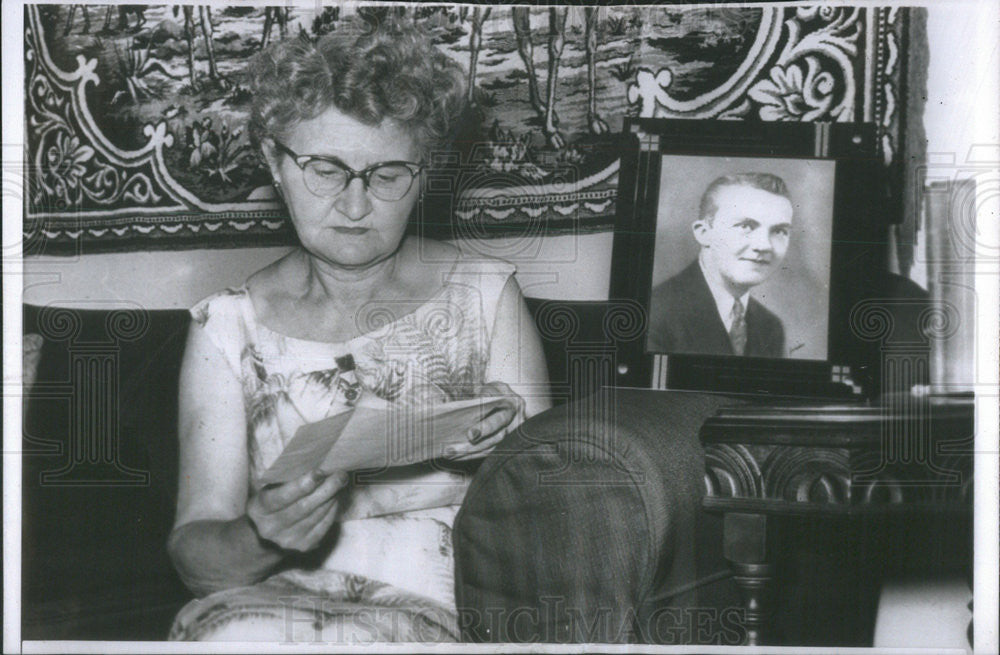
297, 515
486, 434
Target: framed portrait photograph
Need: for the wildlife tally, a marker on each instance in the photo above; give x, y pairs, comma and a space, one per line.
746, 245
755, 234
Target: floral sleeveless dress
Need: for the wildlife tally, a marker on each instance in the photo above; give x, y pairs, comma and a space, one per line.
388, 576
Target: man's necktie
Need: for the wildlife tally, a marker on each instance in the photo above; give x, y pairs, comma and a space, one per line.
738, 328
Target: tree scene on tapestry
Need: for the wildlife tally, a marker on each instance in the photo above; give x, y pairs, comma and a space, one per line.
135, 114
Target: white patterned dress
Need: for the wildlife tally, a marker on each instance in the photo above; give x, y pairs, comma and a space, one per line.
387, 577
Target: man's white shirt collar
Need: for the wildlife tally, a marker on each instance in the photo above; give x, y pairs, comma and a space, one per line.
723, 299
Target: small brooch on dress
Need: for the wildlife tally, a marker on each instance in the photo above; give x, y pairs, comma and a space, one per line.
347, 381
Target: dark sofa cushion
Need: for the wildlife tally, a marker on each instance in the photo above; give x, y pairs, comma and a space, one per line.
580, 340
97, 508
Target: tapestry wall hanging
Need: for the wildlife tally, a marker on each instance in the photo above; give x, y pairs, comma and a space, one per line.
134, 114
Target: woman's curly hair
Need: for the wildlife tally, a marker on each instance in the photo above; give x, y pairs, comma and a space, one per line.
371, 71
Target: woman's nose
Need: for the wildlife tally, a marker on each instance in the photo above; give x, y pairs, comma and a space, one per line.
353, 201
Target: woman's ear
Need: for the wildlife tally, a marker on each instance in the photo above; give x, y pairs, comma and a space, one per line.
271, 157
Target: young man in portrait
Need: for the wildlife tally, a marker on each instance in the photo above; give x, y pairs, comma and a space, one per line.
743, 227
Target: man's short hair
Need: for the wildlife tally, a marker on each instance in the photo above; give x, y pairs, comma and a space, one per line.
763, 181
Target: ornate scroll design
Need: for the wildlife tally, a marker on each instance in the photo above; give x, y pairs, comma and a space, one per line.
798, 474
828, 476
70, 170
81, 185
819, 63
650, 89
960, 493
897, 484
790, 473
545, 168
884, 70
731, 471
887, 487
811, 77
808, 475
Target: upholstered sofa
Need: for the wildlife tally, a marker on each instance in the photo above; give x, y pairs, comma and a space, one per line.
584, 525
99, 483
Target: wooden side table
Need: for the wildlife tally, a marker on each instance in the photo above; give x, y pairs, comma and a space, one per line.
908, 454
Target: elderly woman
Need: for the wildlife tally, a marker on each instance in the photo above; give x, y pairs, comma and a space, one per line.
360, 310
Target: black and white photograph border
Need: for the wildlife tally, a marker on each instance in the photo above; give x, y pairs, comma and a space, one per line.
129, 274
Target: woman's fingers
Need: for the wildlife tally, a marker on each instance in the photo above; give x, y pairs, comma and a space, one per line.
488, 389
308, 532
477, 450
296, 536
323, 523
276, 498
481, 448
503, 389
288, 525
487, 433
495, 421
499, 418
307, 504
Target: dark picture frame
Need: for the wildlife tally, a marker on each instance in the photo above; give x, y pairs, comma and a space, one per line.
835, 251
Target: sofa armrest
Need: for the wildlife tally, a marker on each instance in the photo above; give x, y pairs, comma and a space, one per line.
585, 525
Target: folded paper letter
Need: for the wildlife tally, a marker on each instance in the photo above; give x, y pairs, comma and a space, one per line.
379, 435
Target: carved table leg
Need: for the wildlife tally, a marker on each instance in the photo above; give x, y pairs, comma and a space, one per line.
745, 546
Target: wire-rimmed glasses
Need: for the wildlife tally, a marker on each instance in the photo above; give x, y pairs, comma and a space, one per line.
328, 176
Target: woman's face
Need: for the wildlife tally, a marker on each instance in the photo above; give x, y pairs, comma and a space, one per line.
354, 229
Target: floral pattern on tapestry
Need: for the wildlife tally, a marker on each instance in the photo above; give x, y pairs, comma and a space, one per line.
135, 114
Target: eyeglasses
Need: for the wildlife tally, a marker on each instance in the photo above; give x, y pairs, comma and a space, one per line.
328, 176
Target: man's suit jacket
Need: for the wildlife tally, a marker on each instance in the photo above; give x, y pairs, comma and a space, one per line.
684, 319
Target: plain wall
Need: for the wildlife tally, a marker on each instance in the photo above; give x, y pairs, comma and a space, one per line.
963, 129
571, 267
